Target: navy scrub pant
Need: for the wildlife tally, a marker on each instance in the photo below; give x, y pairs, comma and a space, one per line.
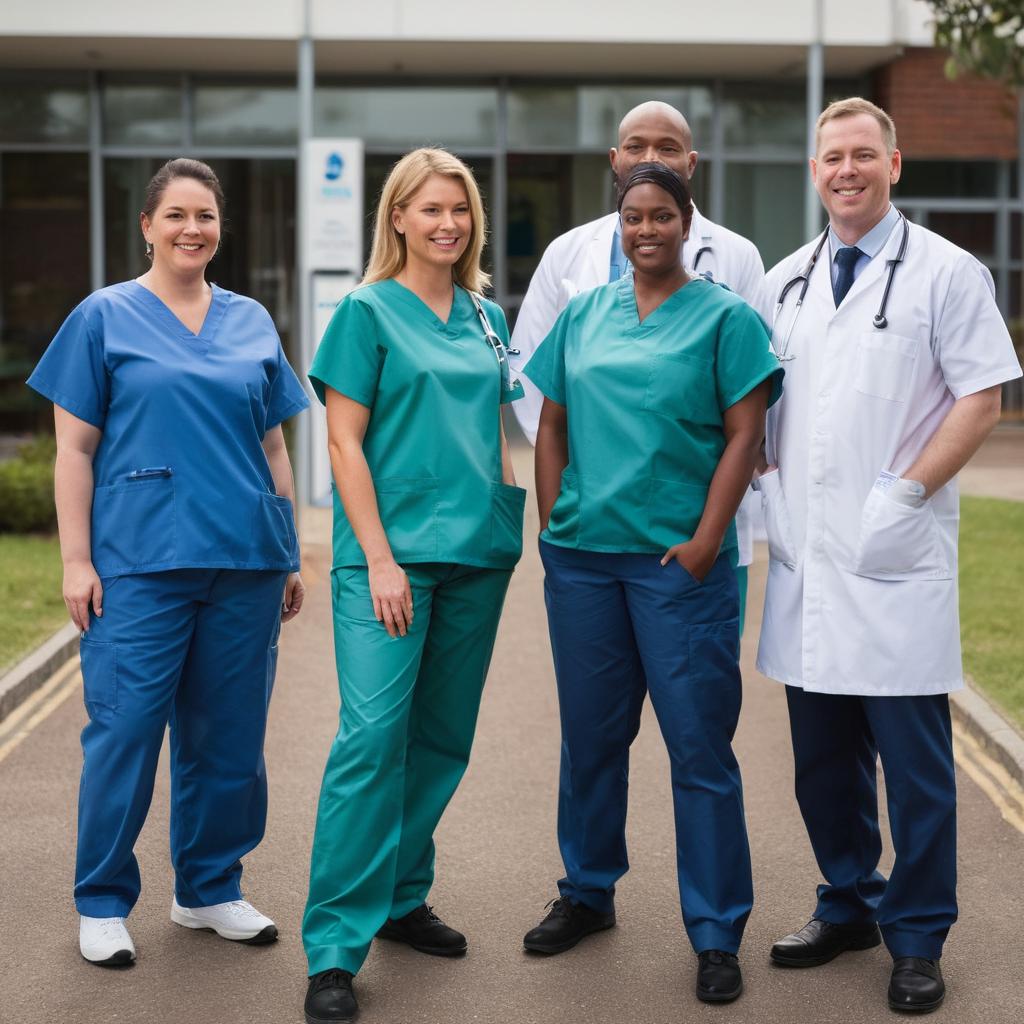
623, 625
836, 741
196, 648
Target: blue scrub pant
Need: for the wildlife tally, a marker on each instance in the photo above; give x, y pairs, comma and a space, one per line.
623, 625
196, 648
836, 740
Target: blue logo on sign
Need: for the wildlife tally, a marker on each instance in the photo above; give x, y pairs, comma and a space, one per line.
335, 165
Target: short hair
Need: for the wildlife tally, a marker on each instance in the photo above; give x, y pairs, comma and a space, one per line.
665, 178
404, 180
856, 105
181, 167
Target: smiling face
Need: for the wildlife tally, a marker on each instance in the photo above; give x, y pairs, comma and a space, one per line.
184, 229
654, 133
653, 230
853, 173
436, 222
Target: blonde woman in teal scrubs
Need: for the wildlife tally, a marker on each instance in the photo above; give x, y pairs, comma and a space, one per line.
427, 529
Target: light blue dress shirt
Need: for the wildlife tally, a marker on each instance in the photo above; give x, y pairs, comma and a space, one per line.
618, 265
870, 244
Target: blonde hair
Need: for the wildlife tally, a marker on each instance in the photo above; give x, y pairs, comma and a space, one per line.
856, 105
406, 178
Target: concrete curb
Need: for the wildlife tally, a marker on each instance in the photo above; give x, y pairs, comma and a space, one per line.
30, 673
999, 739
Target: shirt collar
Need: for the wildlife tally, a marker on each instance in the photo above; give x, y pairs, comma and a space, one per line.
871, 243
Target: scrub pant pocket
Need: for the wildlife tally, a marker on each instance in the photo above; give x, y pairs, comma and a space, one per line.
408, 713
192, 648
621, 626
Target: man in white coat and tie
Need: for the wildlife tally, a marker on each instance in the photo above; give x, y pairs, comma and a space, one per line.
894, 351
592, 255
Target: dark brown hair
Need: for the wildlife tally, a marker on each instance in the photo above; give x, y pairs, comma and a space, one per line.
182, 167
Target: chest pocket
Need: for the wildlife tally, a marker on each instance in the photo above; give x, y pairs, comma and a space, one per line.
885, 365
682, 387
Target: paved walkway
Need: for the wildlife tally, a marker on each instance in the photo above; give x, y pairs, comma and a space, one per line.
497, 865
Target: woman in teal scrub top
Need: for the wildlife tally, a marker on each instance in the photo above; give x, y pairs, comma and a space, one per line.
655, 391
427, 529
174, 499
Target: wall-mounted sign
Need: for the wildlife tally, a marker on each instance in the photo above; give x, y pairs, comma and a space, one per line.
334, 209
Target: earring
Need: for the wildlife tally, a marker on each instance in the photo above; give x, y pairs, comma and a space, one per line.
149, 250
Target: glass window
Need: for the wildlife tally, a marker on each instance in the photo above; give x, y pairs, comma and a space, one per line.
948, 179
235, 114
542, 116
143, 114
764, 114
409, 117
1015, 233
765, 202
975, 232
44, 201
601, 108
43, 112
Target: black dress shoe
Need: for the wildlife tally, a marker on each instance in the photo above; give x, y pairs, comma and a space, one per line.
424, 930
565, 925
819, 941
330, 999
718, 976
916, 985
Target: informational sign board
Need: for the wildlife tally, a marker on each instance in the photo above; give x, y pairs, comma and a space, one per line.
334, 204
328, 291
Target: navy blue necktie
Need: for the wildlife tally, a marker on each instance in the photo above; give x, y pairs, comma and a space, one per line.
846, 258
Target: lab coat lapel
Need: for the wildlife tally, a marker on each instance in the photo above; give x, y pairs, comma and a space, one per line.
599, 251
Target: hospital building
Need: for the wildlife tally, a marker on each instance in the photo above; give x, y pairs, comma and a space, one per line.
96, 94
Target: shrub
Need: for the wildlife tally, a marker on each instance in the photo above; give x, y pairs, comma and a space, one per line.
26, 489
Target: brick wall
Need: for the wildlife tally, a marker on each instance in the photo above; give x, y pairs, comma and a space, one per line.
967, 119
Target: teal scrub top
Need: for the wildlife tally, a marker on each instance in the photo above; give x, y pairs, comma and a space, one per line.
432, 443
644, 403
181, 480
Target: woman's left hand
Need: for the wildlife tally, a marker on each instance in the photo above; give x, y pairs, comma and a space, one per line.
294, 595
697, 559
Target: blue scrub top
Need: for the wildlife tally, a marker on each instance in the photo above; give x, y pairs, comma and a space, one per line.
181, 478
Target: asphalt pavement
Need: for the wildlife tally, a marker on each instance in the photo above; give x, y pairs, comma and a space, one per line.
496, 868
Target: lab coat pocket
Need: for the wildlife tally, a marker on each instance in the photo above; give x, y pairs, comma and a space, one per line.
408, 513
898, 542
885, 365
682, 387
274, 543
564, 521
133, 524
99, 676
776, 519
507, 505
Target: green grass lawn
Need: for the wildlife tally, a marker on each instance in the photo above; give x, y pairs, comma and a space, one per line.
992, 599
30, 594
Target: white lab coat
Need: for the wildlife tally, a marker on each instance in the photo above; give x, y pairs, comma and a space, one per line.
862, 591
579, 260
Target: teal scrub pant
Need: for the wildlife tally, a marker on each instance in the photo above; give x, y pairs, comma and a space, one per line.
408, 712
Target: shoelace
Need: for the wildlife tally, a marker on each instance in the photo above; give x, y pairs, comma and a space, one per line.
560, 907
717, 957
424, 914
109, 925
334, 978
242, 908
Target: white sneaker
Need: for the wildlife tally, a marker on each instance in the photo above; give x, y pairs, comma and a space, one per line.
237, 920
105, 941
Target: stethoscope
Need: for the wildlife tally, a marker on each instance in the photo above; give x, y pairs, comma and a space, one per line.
705, 247
880, 321
501, 353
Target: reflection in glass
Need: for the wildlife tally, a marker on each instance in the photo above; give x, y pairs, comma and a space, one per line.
142, 113
601, 108
540, 116
409, 117
232, 114
764, 113
765, 202
32, 112
44, 269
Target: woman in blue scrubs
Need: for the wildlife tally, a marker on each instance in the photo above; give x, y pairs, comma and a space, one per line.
428, 526
175, 506
656, 388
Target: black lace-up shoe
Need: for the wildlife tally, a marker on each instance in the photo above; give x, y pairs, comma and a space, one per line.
424, 930
718, 976
916, 985
565, 925
330, 999
818, 942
